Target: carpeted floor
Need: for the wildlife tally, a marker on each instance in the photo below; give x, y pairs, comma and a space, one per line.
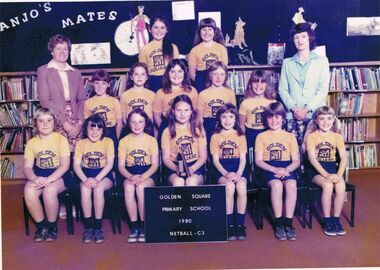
360, 247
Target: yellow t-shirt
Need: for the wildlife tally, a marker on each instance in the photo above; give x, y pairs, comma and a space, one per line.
277, 145
137, 150
151, 54
163, 102
106, 106
252, 109
228, 145
93, 155
210, 100
202, 56
132, 99
47, 153
184, 139
324, 145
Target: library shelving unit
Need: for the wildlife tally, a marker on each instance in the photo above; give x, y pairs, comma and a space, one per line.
355, 85
355, 95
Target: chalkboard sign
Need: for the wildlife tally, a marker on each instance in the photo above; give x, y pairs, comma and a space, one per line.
185, 214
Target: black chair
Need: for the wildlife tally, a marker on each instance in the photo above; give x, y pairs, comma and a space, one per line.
64, 198
315, 196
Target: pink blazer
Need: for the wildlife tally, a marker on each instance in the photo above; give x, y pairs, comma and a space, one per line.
50, 92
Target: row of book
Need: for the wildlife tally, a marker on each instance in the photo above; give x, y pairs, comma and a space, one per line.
13, 140
12, 114
117, 85
350, 104
355, 129
362, 156
354, 78
18, 88
238, 80
8, 168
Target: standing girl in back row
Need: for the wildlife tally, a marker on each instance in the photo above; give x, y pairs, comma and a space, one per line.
157, 53
208, 48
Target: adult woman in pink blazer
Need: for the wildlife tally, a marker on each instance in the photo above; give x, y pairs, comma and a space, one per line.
60, 88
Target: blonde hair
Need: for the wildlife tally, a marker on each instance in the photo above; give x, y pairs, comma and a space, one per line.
43, 111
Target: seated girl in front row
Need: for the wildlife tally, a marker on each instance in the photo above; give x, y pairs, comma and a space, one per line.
277, 155
46, 164
184, 140
322, 144
229, 150
138, 162
93, 161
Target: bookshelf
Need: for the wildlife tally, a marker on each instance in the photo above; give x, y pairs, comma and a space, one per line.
361, 124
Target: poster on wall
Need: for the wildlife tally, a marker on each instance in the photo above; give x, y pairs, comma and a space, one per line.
183, 10
90, 53
363, 26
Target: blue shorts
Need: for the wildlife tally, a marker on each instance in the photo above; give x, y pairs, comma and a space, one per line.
266, 176
209, 125
200, 171
251, 135
140, 169
200, 79
330, 167
69, 180
155, 83
230, 165
94, 172
110, 132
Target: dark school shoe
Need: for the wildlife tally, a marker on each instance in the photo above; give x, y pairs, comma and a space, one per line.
51, 235
141, 237
88, 235
132, 238
241, 233
329, 229
231, 233
279, 233
290, 233
99, 236
339, 229
40, 234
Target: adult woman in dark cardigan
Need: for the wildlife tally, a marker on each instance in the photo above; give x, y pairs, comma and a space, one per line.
60, 88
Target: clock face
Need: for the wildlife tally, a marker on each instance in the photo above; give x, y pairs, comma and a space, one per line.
126, 38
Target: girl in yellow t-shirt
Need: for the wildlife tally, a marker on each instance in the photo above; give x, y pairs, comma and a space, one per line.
176, 82
184, 142
137, 96
208, 48
229, 149
46, 165
257, 96
93, 161
102, 103
323, 143
277, 155
216, 94
138, 163
158, 53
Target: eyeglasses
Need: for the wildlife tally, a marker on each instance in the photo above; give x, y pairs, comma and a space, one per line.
96, 125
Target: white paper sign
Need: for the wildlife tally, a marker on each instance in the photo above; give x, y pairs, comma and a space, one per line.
214, 15
90, 53
183, 10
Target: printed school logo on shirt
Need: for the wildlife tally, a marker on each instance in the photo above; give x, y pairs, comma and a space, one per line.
215, 105
102, 112
185, 145
137, 103
228, 149
258, 113
324, 150
138, 157
275, 151
158, 60
93, 159
45, 159
209, 62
